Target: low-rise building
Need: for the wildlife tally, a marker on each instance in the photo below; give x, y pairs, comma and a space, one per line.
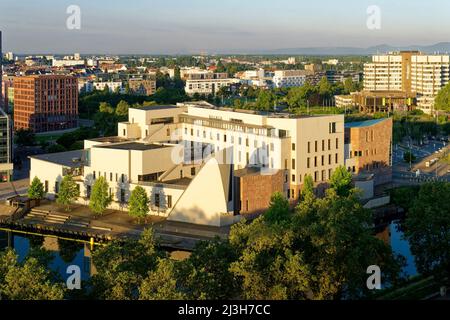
207, 83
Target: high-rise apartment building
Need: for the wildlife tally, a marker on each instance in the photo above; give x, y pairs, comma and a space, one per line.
45, 103
411, 72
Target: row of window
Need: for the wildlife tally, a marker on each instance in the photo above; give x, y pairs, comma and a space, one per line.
322, 160
328, 144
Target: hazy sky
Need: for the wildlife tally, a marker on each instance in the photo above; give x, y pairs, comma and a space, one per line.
192, 26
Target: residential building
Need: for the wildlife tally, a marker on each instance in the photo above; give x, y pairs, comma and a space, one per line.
113, 86
290, 78
206, 82
6, 165
45, 103
142, 86
413, 73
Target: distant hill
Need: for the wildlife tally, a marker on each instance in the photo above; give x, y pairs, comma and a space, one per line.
442, 47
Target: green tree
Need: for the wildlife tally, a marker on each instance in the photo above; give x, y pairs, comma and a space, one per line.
122, 109
428, 230
122, 265
36, 189
138, 203
161, 283
28, 280
278, 211
206, 275
349, 86
100, 198
409, 157
335, 237
268, 266
265, 100
106, 107
325, 89
341, 181
25, 137
308, 187
442, 101
68, 192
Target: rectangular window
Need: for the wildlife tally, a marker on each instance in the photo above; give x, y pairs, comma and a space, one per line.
193, 171
323, 160
110, 176
293, 164
122, 195
315, 161
169, 201
315, 146
293, 178
323, 145
329, 144
337, 143
157, 200
336, 158
224, 138
316, 176
332, 127
88, 191
329, 159
122, 179
309, 147
307, 163
46, 186
293, 147
93, 175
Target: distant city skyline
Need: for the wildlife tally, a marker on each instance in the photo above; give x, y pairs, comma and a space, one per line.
194, 26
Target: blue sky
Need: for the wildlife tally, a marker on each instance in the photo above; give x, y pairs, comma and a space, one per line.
192, 26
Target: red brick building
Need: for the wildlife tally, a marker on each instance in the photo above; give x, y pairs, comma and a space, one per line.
45, 102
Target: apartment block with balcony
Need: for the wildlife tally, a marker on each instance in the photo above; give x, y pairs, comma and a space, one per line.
207, 83
410, 75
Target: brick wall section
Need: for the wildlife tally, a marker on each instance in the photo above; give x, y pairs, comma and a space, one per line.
45, 103
256, 190
375, 143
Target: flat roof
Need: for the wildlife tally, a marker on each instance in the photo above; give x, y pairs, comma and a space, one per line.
113, 139
156, 107
133, 146
366, 123
65, 159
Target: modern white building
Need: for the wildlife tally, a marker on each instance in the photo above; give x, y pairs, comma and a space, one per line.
113, 86
289, 78
200, 163
206, 83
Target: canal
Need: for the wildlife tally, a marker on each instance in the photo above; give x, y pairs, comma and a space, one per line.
66, 252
